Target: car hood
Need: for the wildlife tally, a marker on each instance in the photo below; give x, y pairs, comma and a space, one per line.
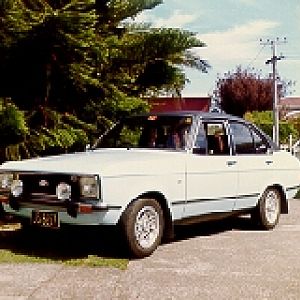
105, 162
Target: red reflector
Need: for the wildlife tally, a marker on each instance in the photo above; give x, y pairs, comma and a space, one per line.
85, 208
4, 199
152, 118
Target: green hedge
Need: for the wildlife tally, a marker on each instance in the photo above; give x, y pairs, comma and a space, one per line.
264, 120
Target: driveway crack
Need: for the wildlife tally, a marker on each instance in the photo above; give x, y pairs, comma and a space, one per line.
45, 282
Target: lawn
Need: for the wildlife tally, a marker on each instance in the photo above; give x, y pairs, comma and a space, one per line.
71, 246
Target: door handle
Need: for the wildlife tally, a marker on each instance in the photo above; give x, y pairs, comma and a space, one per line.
231, 163
269, 162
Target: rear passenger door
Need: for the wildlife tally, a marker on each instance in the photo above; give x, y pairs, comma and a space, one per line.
254, 161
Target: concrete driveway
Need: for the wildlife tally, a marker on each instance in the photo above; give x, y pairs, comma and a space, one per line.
221, 260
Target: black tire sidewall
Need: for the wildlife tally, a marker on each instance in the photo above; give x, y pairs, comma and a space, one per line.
263, 220
128, 227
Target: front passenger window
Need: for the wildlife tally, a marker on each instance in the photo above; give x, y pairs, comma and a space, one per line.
217, 139
212, 139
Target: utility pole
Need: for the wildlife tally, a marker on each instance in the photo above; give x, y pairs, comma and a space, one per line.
273, 60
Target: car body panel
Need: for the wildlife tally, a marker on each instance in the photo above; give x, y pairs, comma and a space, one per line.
265, 170
211, 184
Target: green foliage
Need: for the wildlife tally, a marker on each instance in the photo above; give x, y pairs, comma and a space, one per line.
75, 66
8, 256
13, 127
58, 137
154, 58
64, 132
264, 120
123, 9
129, 137
51, 50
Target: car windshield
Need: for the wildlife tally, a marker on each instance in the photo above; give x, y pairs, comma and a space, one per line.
161, 132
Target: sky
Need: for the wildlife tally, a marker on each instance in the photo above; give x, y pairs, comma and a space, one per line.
232, 31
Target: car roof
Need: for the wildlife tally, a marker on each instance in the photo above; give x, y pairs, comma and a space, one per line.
202, 114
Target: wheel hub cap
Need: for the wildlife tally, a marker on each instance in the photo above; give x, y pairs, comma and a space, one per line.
272, 207
147, 226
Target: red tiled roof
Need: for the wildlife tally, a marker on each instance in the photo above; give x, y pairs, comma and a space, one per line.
164, 104
290, 102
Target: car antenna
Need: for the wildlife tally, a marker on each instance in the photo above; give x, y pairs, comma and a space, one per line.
100, 138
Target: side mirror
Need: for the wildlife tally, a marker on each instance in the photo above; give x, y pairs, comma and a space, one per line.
270, 151
263, 149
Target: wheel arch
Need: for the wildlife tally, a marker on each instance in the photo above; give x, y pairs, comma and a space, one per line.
283, 197
168, 232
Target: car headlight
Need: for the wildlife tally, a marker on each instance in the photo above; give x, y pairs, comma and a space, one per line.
6, 180
16, 187
89, 186
63, 191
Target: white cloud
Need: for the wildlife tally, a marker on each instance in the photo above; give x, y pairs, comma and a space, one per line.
225, 50
143, 17
176, 20
238, 44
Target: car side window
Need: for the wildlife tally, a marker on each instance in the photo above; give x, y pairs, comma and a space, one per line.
201, 141
243, 139
248, 140
212, 139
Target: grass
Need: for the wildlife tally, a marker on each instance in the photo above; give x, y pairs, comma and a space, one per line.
7, 256
73, 247
95, 261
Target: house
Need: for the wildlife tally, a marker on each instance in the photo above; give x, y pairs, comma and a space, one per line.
289, 107
165, 104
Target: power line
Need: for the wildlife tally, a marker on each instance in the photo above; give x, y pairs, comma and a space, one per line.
257, 55
290, 57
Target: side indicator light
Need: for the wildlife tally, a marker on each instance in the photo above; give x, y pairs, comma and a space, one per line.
85, 208
152, 118
4, 199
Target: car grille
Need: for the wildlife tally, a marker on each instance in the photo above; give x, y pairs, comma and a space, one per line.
43, 186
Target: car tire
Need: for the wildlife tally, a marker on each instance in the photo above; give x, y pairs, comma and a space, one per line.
142, 225
267, 212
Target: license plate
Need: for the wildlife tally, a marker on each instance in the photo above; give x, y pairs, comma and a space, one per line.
47, 219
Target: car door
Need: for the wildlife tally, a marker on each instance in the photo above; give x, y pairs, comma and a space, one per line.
211, 171
254, 161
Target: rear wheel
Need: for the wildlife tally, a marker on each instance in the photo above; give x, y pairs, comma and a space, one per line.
266, 214
142, 225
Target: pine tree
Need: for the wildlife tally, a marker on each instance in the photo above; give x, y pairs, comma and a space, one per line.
75, 66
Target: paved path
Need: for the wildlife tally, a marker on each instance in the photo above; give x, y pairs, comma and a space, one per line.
222, 260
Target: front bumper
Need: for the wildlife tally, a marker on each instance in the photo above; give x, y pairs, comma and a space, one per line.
69, 212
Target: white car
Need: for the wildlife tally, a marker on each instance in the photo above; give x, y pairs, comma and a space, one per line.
154, 171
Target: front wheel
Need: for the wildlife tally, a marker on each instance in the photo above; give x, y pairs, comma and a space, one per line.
142, 226
267, 212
